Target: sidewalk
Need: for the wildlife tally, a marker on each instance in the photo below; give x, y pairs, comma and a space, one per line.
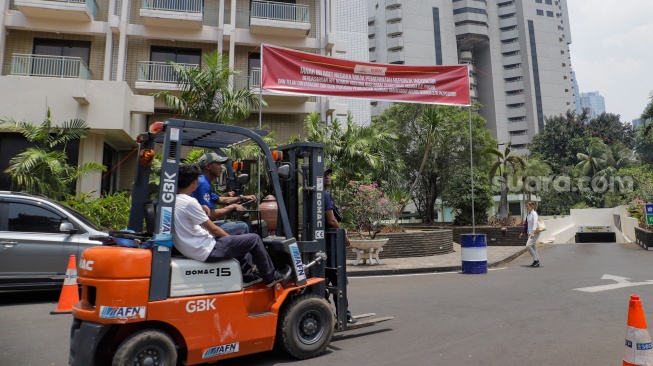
496, 257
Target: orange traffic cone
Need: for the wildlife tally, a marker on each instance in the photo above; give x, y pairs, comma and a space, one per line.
638, 340
69, 293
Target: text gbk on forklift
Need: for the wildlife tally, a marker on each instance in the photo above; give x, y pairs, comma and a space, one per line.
142, 304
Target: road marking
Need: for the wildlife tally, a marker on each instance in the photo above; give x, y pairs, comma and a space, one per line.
621, 283
419, 274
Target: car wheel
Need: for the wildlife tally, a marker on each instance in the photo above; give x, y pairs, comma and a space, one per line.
147, 347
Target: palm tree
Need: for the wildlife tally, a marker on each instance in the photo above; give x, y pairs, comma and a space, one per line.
596, 158
43, 168
207, 94
432, 121
535, 167
504, 162
356, 151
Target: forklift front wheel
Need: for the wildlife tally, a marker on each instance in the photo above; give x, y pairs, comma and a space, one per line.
147, 347
306, 325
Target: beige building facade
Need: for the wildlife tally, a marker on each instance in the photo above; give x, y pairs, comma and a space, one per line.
100, 60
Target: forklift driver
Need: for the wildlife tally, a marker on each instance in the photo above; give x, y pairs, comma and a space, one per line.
197, 237
211, 165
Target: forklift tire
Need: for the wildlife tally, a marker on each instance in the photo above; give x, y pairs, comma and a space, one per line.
306, 325
147, 347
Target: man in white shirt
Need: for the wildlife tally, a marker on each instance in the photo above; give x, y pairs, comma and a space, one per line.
197, 237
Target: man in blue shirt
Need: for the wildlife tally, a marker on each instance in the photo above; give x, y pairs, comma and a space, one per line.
211, 165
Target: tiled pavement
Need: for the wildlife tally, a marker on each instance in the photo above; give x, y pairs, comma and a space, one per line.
496, 255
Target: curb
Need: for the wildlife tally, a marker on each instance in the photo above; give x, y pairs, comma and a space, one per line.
400, 271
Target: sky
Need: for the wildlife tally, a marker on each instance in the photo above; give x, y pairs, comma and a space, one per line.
612, 52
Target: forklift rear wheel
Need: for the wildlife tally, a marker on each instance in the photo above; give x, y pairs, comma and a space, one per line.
306, 326
147, 347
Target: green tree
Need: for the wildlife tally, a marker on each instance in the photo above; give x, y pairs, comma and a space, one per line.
562, 138
647, 116
595, 159
207, 94
611, 130
358, 153
505, 163
43, 168
447, 130
458, 196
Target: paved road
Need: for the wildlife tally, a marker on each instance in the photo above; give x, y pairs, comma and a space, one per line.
516, 315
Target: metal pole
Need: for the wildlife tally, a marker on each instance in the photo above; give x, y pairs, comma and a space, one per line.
260, 121
471, 166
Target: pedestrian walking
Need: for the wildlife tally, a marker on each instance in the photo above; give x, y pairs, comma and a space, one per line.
530, 229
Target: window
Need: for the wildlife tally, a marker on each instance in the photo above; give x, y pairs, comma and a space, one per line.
516, 119
29, 218
469, 10
518, 133
60, 47
549, 14
538, 1
540, 12
514, 208
174, 54
548, 2
513, 79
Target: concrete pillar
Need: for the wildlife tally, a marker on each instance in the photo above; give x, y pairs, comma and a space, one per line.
91, 150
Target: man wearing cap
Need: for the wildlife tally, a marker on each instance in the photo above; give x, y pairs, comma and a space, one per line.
211, 165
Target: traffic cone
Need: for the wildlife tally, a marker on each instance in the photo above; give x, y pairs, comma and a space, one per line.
638, 340
70, 292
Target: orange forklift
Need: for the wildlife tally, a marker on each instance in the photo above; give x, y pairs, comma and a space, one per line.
144, 304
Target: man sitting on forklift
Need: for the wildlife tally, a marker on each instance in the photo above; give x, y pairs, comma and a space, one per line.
197, 237
211, 165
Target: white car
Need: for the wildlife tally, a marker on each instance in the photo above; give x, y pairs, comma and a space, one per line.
37, 237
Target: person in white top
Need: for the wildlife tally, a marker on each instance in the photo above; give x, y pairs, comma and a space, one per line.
197, 237
531, 228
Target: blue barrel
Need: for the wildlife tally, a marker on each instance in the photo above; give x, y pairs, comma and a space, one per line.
474, 253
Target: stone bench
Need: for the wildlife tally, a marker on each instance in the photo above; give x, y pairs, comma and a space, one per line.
367, 249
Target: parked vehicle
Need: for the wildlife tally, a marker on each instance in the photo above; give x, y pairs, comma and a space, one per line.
37, 237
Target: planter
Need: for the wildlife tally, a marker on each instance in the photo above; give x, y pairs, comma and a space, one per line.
644, 238
367, 248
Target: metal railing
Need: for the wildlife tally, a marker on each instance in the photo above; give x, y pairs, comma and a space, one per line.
186, 6
91, 4
252, 81
159, 72
49, 66
280, 11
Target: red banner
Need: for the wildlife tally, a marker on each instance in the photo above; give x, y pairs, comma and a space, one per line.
295, 72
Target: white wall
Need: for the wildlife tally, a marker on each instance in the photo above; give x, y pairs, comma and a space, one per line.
563, 230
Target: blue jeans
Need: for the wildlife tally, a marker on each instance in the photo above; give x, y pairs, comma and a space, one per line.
233, 227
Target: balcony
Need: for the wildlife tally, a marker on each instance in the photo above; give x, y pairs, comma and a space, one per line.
76, 10
392, 3
48, 66
395, 57
172, 13
251, 81
395, 43
279, 19
393, 15
277, 102
157, 76
394, 28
